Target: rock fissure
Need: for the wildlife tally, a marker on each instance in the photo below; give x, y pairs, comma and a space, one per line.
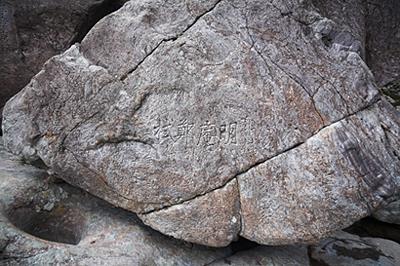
77, 125
300, 84
105, 184
253, 46
171, 39
247, 169
240, 206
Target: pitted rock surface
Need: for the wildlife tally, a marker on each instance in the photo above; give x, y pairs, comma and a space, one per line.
222, 114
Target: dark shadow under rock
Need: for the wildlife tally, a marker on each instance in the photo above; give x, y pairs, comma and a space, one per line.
370, 227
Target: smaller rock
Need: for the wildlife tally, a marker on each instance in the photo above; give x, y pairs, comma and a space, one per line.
347, 249
264, 255
49, 206
213, 217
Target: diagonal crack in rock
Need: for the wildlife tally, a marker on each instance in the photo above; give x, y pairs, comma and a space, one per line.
262, 161
171, 39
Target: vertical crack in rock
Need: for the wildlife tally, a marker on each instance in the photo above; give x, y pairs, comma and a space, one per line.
174, 38
253, 46
298, 82
240, 206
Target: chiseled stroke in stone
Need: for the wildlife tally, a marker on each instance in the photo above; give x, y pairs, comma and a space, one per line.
166, 106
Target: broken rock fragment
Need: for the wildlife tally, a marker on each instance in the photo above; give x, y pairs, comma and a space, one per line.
219, 113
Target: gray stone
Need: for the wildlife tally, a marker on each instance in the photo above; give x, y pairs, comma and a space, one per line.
32, 31
345, 249
79, 228
163, 108
343, 173
370, 28
218, 211
349, 31
390, 213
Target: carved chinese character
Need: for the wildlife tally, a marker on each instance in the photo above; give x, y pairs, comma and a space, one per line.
232, 132
208, 134
182, 131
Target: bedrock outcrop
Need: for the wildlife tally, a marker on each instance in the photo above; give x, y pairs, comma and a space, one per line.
214, 119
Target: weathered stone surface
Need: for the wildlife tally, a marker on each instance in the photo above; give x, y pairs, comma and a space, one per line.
263, 255
346, 249
162, 105
343, 170
45, 223
33, 31
213, 218
349, 33
370, 28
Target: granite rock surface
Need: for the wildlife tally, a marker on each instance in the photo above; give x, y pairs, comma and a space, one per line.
243, 117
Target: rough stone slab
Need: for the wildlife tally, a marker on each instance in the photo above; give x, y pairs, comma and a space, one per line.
47, 223
340, 175
214, 218
179, 99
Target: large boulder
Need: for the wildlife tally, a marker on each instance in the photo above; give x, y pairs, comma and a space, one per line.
33, 31
213, 119
44, 222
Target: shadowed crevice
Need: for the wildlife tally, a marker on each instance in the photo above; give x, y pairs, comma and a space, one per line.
96, 13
